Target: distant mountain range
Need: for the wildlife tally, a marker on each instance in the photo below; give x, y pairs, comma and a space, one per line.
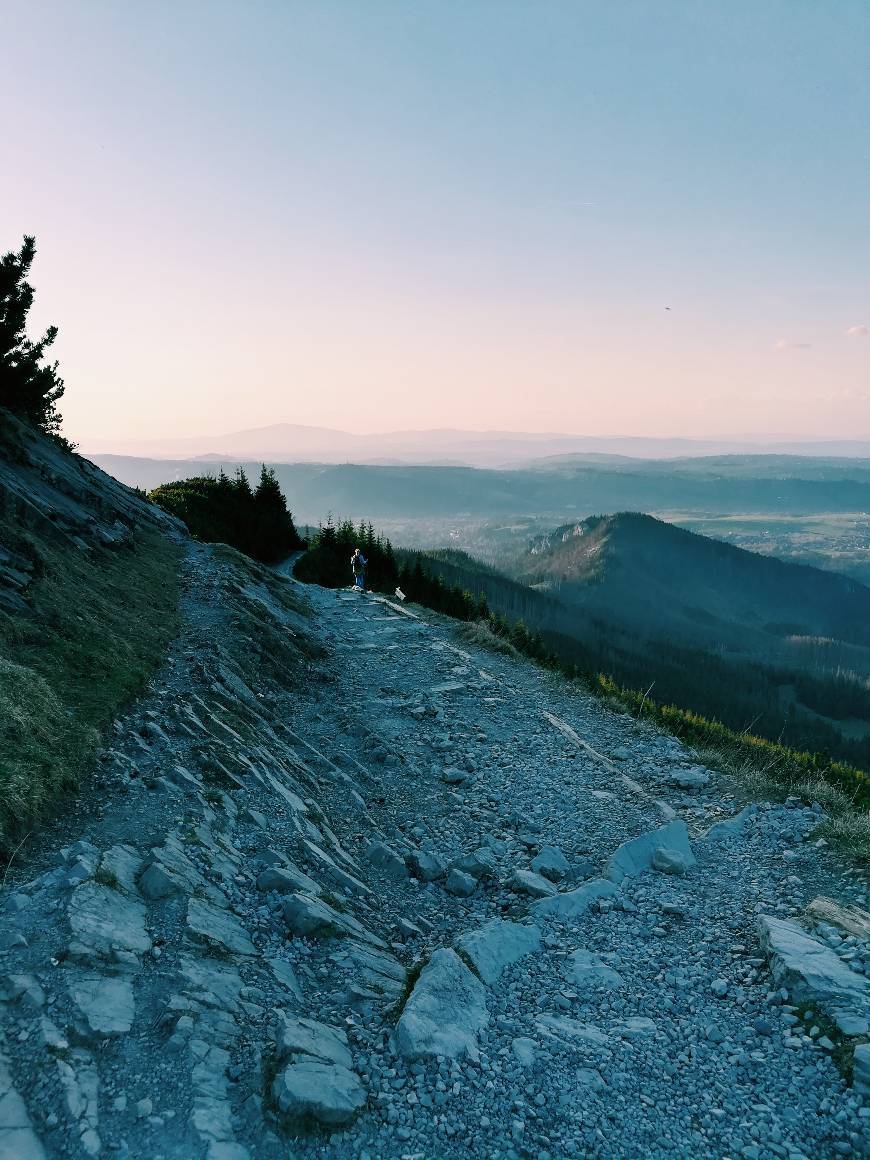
559, 492
295, 443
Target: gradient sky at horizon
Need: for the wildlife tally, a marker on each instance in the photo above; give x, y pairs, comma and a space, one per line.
374, 215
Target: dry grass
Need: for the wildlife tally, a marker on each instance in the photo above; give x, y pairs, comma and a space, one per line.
479, 633
847, 825
100, 626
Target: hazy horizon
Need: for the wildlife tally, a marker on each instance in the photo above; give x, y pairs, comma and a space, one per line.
571, 217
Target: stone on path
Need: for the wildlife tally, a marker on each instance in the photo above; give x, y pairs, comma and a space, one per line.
813, 974
106, 1003
312, 916
525, 1050
285, 880
217, 928
317, 1082
311, 1089
668, 861
480, 864
444, 1012
527, 882
854, 919
638, 854
552, 863
103, 920
462, 885
574, 902
497, 945
729, 827
425, 865
18, 1141
572, 1030
385, 858
307, 1037
587, 969
689, 780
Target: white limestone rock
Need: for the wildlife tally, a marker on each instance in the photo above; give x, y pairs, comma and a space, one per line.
551, 863
103, 920
285, 880
535, 885
307, 1037
496, 945
814, 974
574, 902
459, 884
638, 854
310, 1089
385, 858
106, 1003
217, 928
445, 1010
586, 969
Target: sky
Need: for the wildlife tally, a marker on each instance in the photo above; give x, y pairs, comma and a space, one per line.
582, 217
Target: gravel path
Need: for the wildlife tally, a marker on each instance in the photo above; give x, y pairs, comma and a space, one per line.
412, 898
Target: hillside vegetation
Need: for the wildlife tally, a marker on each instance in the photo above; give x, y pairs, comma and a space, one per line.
88, 603
218, 509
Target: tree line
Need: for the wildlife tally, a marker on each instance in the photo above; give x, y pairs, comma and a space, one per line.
229, 511
30, 386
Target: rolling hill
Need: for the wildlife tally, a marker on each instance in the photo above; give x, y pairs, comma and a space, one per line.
736, 636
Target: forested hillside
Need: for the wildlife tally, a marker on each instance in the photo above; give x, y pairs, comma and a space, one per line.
777, 649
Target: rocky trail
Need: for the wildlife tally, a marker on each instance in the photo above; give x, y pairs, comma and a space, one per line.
418, 900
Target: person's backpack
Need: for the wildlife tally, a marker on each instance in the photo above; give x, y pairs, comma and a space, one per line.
356, 564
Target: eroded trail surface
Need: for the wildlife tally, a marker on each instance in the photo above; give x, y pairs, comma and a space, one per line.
418, 899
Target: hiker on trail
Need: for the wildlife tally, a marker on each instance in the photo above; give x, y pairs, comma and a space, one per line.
358, 567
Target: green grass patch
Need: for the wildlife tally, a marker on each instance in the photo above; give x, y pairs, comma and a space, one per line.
100, 626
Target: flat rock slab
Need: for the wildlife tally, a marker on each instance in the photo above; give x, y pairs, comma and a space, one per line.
854, 919
18, 1141
103, 920
528, 882
307, 1037
813, 974
586, 969
312, 916
106, 1003
444, 1012
640, 854
309, 1089
729, 827
572, 1030
498, 944
217, 928
574, 902
552, 863
122, 863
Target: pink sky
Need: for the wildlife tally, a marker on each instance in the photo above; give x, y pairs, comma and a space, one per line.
373, 217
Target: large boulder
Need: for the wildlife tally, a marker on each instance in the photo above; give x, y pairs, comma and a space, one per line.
668, 845
814, 975
444, 1012
317, 1082
309, 1089
498, 944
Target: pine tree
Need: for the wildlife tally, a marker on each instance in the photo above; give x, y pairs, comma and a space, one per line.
29, 387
